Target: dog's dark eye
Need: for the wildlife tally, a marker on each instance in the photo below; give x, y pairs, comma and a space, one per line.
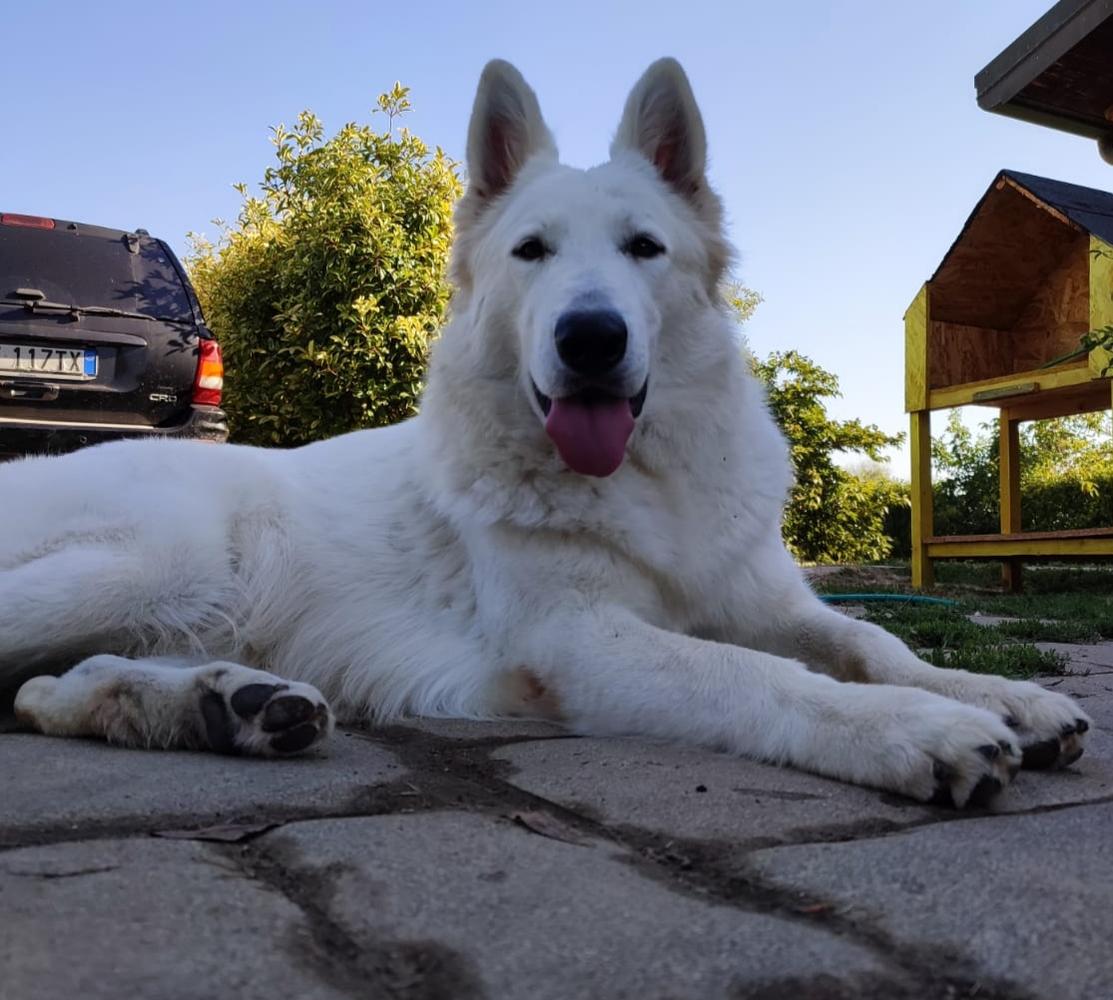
644, 247
530, 249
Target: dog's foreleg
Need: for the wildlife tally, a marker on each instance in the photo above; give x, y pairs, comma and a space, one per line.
162, 704
614, 674
787, 619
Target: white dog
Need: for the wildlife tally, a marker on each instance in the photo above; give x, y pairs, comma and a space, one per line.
582, 524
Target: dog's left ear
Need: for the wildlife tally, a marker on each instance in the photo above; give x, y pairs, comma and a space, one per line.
662, 122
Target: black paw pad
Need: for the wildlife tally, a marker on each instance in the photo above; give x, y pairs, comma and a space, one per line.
248, 700
295, 739
220, 727
943, 775
984, 792
283, 713
1041, 755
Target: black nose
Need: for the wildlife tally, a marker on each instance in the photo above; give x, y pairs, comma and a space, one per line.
591, 342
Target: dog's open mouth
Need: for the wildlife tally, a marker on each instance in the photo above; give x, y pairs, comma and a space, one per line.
590, 428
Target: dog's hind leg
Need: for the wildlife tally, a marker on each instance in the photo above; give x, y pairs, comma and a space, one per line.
87, 594
164, 704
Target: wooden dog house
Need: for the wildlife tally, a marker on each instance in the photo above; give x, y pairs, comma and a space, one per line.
1030, 273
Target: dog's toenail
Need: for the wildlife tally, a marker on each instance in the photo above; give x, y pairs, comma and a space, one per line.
1009, 748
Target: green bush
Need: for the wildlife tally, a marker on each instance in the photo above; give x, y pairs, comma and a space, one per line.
326, 292
832, 516
1066, 476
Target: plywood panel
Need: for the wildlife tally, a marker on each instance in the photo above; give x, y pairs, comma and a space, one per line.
1007, 250
1058, 314
915, 352
958, 353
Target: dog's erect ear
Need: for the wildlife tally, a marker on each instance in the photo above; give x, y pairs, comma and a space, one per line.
662, 122
506, 130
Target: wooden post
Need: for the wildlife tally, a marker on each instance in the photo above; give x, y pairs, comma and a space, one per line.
1009, 463
923, 574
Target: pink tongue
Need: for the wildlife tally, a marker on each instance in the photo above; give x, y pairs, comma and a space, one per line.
590, 436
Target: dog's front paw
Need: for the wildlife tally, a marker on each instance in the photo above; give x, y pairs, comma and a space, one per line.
251, 712
1050, 727
937, 750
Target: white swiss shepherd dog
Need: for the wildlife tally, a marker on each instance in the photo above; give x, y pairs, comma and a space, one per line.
582, 524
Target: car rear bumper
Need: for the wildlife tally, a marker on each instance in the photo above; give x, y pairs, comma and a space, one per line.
24, 437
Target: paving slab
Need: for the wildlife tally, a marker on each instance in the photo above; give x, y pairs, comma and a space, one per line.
51, 784
469, 730
145, 918
1023, 898
1082, 658
690, 793
539, 918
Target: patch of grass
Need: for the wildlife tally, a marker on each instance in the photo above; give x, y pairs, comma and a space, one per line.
1088, 611
927, 626
1061, 603
946, 637
1036, 630
955, 572
1016, 660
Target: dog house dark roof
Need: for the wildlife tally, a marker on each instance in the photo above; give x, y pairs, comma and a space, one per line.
1019, 232
1059, 72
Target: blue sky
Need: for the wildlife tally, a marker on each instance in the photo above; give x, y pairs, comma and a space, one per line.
845, 137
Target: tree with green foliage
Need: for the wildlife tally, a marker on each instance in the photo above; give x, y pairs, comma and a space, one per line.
326, 292
1066, 475
832, 516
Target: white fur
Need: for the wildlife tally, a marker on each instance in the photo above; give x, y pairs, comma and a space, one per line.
452, 565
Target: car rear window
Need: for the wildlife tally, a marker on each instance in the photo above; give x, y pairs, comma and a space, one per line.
88, 269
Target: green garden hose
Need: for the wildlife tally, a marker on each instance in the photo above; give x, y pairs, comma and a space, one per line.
897, 598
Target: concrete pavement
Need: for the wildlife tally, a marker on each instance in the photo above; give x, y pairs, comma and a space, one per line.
447, 860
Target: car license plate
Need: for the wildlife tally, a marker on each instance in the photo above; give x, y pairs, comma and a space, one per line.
54, 362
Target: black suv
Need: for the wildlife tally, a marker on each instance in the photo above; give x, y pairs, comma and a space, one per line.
101, 337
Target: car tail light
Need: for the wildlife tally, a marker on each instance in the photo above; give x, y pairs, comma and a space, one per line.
30, 221
208, 384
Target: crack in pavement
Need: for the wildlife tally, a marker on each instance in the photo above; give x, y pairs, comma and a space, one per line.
359, 966
449, 774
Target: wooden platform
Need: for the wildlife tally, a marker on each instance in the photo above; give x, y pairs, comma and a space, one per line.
1082, 542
